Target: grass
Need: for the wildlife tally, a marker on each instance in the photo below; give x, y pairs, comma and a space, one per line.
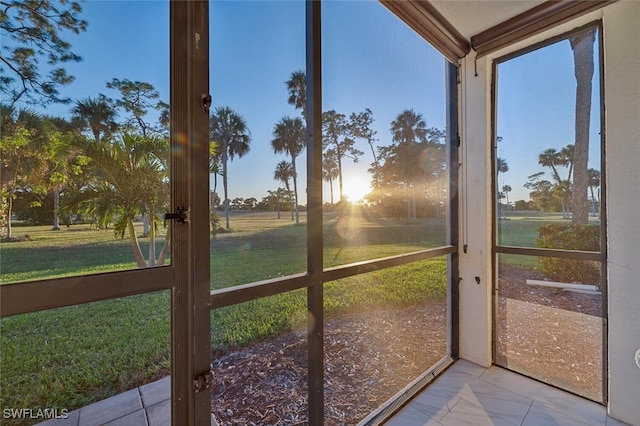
69, 357
274, 248
520, 229
75, 250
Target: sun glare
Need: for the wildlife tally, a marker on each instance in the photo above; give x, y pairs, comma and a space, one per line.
356, 188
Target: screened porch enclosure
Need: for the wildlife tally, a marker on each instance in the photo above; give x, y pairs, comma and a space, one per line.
306, 212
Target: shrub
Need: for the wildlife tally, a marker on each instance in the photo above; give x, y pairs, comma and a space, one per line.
214, 220
570, 237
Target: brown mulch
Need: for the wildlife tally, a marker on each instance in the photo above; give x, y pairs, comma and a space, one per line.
369, 356
548, 333
512, 285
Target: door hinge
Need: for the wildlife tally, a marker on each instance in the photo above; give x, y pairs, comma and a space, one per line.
203, 381
182, 215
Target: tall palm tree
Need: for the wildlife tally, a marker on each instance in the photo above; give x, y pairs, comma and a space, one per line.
501, 167
229, 130
551, 158
330, 169
506, 189
582, 45
562, 189
284, 172
97, 115
566, 158
214, 169
409, 127
297, 88
409, 133
289, 137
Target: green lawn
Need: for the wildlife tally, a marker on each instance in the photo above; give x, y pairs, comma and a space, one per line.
74, 250
69, 357
520, 229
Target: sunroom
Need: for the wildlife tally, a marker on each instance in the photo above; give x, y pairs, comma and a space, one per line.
314, 212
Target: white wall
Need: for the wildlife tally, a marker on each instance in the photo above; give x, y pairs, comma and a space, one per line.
622, 100
475, 213
622, 103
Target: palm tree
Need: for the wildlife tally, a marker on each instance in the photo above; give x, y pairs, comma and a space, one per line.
229, 130
552, 159
409, 133
97, 115
330, 169
582, 46
284, 172
289, 137
131, 172
501, 165
566, 159
409, 127
506, 189
297, 88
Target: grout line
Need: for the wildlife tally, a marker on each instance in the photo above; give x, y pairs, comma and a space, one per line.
525, 416
144, 407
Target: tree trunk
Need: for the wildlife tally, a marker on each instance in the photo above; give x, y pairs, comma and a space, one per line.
331, 189
152, 239
56, 206
9, 211
295, 187
137, 253
340, 176
582, 46
408, 209
145, 225
224, 184
165, 246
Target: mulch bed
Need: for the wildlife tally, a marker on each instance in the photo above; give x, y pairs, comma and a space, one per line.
370, 356
548, 333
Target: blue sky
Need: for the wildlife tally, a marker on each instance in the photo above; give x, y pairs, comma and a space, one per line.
370, 60
536, 111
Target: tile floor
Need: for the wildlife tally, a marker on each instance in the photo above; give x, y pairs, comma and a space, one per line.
148, 405
466, 394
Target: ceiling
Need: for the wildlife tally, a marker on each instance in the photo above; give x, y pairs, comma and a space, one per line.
471, 17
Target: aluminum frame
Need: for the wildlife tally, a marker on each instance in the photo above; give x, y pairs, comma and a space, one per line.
192, 300
600, 256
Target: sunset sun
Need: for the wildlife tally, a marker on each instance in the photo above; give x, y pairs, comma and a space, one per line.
356, 188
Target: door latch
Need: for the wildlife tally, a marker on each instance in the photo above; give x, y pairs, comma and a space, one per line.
205, 102
181, 215
203, 381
